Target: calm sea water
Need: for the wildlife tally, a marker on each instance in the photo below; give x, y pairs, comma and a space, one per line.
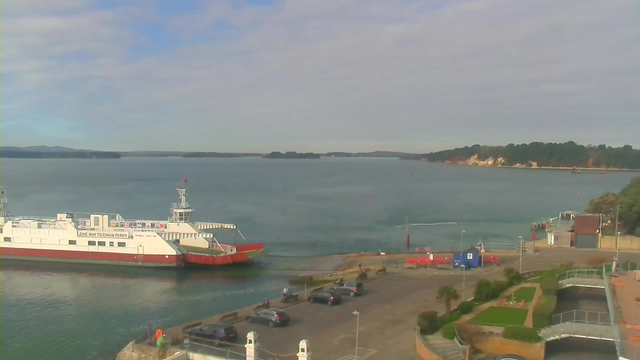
296, 207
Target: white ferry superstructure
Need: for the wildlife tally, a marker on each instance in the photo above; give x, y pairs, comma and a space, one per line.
111, 239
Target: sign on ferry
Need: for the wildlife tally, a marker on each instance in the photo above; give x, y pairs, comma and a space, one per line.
103, 235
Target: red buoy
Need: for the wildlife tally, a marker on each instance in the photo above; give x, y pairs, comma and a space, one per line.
184, 180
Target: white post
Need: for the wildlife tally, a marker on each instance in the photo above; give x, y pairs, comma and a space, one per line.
520, 254
357, 314
252, 345
304, 351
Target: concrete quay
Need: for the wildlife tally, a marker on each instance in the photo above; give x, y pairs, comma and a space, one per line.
388, 309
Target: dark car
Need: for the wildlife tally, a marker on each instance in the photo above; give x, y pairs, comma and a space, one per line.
327, 297
351, 288
271, 317
215, 332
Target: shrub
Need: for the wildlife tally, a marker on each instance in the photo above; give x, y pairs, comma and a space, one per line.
549, 284
545, 306
483, 291
523, 334
454, 316
429, 322
465, 307
637, 232
497, 287
512, 276
449, 331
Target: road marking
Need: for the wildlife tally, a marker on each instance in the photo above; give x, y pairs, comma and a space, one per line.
336, 340
370, 353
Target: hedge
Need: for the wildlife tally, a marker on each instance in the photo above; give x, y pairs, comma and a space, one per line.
549, 284
449, 331
429, 322
545, 306
454, 316
465, 307
523, 334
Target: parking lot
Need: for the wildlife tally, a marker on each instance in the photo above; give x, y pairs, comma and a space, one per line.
388, 311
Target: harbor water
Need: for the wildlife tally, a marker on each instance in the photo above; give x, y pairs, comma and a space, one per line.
300, 209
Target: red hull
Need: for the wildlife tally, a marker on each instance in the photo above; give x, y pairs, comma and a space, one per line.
90, 257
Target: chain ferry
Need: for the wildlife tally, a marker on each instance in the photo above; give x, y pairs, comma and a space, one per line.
111, 239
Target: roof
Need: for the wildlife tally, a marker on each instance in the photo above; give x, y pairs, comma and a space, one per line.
472, 248
586, 224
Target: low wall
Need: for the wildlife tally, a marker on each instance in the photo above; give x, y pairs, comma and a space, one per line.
500, 346
624, 243
422, 349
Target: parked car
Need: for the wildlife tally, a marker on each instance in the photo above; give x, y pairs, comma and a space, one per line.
351, 288
272, 317
327, 297
215, 332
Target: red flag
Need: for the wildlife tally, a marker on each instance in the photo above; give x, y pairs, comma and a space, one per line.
408, 240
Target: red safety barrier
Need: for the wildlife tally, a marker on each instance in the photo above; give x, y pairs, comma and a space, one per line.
428, 262
491, 259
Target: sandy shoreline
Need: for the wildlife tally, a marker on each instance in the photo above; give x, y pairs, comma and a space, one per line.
586, 169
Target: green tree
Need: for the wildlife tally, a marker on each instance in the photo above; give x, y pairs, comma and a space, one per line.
447, 294
629, 212
512, 276
483, 291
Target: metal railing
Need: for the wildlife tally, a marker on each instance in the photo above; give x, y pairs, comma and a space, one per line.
222, 352
581, 274
574, 329
582, 317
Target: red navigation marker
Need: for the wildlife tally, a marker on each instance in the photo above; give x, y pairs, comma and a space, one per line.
184, 180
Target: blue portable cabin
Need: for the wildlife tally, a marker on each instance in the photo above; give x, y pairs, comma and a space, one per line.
470, 258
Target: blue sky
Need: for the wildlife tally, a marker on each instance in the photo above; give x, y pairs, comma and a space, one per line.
307, 75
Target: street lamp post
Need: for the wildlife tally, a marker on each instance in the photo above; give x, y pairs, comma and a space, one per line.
617, 233
357, 314
464, 271
520, 254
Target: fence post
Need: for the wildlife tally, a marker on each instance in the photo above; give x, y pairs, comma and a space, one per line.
252, 344
304, 351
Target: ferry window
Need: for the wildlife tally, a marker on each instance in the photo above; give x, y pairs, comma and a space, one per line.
96, 221
72, 242
110, 243
92, 243
7, 239
122, 244
101, 243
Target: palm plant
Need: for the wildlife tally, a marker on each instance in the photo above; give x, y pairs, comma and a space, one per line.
446, 294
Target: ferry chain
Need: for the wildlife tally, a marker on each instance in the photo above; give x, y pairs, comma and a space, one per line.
242, 345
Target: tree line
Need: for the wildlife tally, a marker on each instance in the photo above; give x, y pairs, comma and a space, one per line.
568, 154
628, 201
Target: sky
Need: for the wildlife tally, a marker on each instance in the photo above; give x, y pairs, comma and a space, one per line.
318, 75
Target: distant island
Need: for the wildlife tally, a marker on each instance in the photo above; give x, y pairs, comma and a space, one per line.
291, 155
54, 152
380, 154
539, 155
218, 155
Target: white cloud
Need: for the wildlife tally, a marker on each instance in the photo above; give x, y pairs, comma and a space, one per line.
317, 74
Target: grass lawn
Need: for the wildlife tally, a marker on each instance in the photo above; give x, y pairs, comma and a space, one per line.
501, 316
534, 280
525, 293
